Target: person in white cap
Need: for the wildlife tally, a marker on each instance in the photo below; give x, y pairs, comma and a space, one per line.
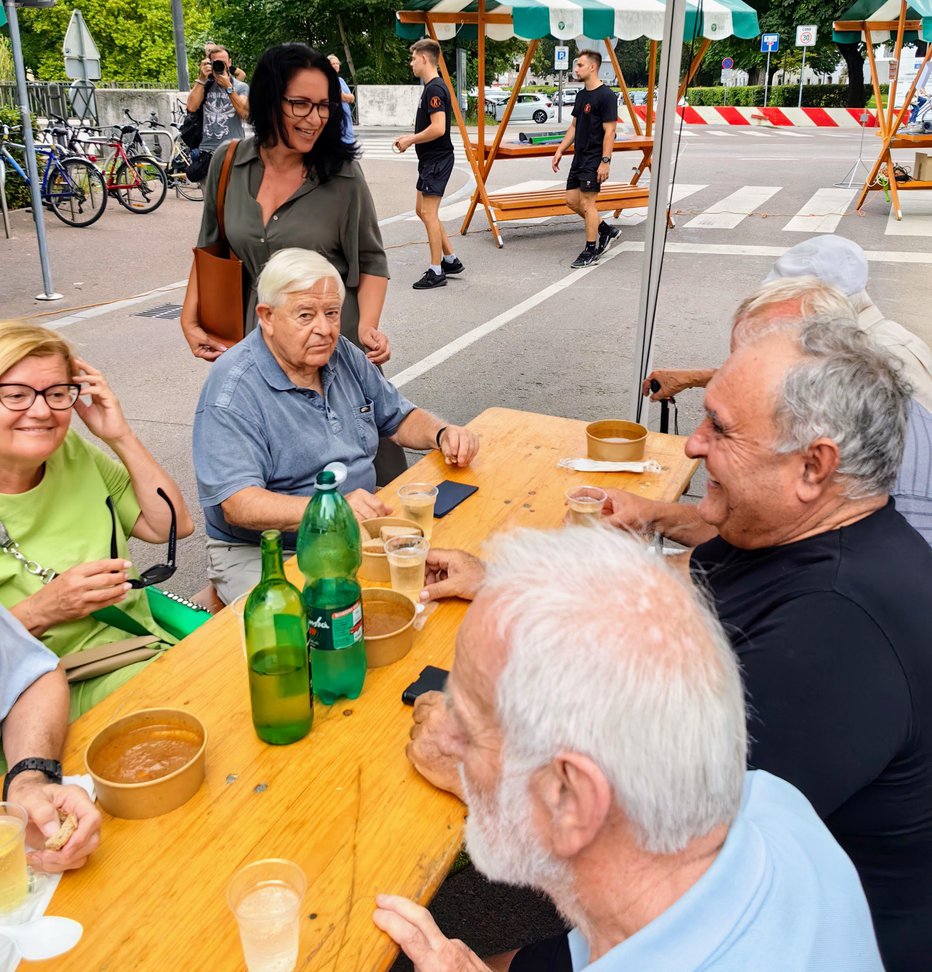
843, 264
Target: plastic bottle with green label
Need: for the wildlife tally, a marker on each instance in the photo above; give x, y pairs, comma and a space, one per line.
329, 555
276, 652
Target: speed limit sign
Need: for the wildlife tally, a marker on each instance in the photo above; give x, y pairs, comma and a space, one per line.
806, 36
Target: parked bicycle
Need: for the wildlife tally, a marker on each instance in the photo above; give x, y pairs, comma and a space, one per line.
137, 181
73, 188
177, 154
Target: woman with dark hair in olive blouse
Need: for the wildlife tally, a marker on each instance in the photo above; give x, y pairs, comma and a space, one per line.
297, 184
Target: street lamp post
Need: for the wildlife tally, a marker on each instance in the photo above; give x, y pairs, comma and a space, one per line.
181, 54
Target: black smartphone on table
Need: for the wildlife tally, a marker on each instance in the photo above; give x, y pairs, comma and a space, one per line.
431, 679
450, 495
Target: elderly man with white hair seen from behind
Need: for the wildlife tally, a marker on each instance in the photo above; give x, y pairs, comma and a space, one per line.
292, 397
601, 744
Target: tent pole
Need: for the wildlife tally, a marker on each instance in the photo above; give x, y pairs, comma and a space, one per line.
674, 23
651, 84
635, 121
875, 79
693, 68
481, 86
900, 30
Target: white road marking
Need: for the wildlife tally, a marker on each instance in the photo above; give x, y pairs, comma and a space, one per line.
728, 212
917, 216
721, 134
822, 213
631, 217
794, 134
757, 134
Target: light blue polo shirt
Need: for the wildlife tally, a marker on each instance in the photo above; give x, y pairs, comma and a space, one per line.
781, 896
255, 427
23, 659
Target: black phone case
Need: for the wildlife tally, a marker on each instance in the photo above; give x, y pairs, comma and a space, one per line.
431, 679
450, 495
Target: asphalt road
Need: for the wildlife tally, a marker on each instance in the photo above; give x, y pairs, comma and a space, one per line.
519, 328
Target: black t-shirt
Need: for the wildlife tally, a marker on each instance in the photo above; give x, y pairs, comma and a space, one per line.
834, 634
591, 110
434, 97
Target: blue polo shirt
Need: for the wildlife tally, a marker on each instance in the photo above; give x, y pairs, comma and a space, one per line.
23, 660
781, 896
255, 427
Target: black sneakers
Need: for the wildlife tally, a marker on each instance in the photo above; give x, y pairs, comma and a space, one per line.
607, 236
452, 266
588, 258
431, 280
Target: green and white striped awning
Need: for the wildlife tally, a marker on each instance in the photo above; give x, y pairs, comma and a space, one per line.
567, 19
884, 10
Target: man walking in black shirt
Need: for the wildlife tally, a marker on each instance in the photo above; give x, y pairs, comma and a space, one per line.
595, 115
431, 140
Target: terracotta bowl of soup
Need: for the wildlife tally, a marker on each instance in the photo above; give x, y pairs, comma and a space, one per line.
387, 622
615, 441
374, 565
148, 762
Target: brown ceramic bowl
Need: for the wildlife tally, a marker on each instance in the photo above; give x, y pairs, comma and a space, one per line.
391, 615
615, 441
375, 565
148, 732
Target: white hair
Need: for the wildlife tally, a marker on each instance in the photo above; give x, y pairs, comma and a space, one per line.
849, 390
765, 310
613, 655
293, 270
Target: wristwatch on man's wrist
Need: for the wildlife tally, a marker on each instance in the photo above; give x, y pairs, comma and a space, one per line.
33, 764
606, 159
229, 90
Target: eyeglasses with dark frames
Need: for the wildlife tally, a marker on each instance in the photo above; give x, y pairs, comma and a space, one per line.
19, 398
301, 108
159, 572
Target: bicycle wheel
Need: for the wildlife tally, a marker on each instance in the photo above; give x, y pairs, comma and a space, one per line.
143, 184
182, 185
76, 192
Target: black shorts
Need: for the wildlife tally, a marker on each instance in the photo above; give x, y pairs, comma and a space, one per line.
584, 176
433, 174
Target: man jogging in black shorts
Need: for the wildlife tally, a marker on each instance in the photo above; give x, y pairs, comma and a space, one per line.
595, 115
434, 148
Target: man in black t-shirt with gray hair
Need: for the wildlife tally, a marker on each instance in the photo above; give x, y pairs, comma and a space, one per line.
431, 140
592, 134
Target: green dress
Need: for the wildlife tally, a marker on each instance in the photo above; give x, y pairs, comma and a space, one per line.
62, 522
336, 218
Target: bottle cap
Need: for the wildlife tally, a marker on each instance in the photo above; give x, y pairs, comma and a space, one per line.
326, 480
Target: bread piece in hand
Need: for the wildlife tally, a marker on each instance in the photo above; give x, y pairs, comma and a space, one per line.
69, 825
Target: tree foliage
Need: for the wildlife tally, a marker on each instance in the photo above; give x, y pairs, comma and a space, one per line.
134, 37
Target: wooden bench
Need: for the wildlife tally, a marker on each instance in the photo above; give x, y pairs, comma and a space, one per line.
613, 197
208, 598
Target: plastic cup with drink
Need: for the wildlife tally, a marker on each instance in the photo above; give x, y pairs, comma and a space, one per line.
14, 875
407, 557
417, 504
585, 505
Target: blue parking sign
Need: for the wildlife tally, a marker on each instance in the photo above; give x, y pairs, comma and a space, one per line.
769, 43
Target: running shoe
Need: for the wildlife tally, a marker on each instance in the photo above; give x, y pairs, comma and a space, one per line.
430, 280
452, 266
588, 258
607, 237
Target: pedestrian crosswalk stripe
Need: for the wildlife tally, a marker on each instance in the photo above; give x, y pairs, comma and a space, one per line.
917, 215
728, 212
794, 134
721, 134
822, 213
632, 217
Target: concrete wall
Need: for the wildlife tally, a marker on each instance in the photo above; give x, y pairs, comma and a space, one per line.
388, 105
140, 101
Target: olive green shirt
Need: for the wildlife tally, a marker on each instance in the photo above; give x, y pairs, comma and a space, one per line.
336, 218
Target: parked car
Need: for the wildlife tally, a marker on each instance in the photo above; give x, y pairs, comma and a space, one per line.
530, 106
569, 97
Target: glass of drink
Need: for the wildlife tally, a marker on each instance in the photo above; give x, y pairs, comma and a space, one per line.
406, 559
14, 877
265, 898
585, 505
417, 505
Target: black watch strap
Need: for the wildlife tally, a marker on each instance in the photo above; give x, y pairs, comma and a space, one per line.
51, 768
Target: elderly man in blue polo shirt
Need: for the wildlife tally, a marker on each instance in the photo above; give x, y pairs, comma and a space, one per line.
600, 744
289, 399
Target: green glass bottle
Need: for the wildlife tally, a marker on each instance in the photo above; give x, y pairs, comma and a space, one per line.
329, 554
276, 651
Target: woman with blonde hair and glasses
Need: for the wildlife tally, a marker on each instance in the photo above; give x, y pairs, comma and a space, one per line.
67, 508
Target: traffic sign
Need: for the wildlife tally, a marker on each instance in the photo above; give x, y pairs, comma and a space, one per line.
728, 63
806, 36
561, 58
82, 58
769, 43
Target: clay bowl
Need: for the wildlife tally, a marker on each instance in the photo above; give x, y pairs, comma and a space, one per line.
374, 566
149, 732
626, 441
392, 615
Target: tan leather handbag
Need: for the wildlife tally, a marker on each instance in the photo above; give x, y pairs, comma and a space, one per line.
219, 274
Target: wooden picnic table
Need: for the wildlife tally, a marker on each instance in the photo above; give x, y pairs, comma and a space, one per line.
343, 802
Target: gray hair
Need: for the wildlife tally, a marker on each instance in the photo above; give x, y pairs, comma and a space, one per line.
765, 309
613, 655
292, 270
849, 390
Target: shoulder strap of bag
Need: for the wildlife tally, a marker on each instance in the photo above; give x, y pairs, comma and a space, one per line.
222, 186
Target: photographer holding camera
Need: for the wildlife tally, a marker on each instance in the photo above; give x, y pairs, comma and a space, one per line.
223, 104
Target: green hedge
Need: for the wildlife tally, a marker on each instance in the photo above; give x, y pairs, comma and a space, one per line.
779, 96
17, 192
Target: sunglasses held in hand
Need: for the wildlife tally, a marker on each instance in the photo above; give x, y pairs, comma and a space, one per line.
159, 572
